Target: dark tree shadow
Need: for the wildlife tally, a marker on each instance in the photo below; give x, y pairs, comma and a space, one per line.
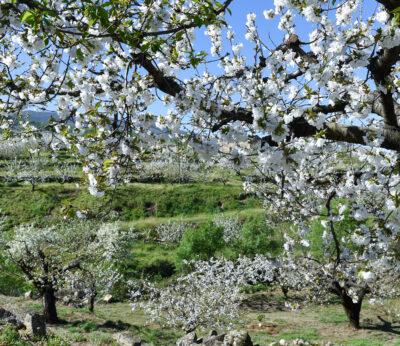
119, 325
386, 327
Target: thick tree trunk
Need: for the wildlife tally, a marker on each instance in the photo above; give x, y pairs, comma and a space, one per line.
49, 305
352, 310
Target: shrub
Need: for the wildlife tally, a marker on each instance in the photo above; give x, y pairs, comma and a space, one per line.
199, 244
9, 336
256, 238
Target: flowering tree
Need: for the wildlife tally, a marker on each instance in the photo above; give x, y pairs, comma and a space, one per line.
292, 110
67, 253
209, 296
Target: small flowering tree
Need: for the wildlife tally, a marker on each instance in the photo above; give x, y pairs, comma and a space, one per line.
171, 232
30, 170
209, 296
56, 256
231, 226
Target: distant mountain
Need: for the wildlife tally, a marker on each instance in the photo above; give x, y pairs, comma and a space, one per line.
42, 117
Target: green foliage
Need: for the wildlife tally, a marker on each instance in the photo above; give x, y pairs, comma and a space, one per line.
56, 340
12, 282
256, 238
88, 326
9, 336
208, 241
199, 244
342, 228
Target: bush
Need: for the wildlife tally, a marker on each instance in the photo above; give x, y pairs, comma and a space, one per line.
199, 244
256, 238
12, 282
9, 336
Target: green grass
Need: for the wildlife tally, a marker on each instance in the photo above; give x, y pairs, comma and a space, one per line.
333, 317
132, 202
362, 342
307, 334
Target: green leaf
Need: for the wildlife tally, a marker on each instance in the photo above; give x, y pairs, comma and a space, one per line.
28, 17
198, 21
79, 54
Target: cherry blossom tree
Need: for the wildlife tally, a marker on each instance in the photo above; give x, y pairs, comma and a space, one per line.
209, 296
292, 109
58, 256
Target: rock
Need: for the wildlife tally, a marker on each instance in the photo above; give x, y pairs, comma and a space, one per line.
300, 342
188, 340
127, 339
79, 294
66, 300
35, 324
7, 317
214, 340
282, 342
4, 314
237, 338
107, 298
213, 333
28, 295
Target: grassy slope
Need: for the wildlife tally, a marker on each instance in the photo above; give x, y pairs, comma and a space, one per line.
149, 203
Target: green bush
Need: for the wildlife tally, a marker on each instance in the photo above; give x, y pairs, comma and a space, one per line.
9, 336
208, 241
256, 238
199, 244
12, 282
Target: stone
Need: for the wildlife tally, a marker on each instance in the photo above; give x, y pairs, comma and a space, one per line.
66, 300
35, 324
214, 340
282, 342
79, 294
28, 295
237, 338
107, 298
127, 339
4, 314
300, 342
188, 340
7, 317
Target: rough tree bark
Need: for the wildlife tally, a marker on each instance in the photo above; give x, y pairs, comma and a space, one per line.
352, 310
92, 297
49, 305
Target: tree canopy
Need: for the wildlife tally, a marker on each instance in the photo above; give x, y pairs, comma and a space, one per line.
101, 64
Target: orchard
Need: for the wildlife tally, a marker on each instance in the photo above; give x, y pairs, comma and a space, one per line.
312, 107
